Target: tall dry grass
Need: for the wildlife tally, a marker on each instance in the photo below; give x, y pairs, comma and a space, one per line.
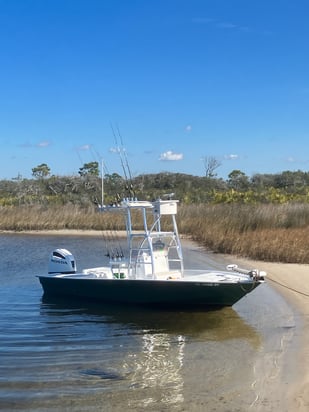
264, 232
37, 217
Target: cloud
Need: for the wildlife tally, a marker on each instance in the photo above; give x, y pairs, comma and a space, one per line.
188, 128
84, 147
223, 25
44, 143
114, 150
292, 159
231, 156
228, 25
170, 156
217, 23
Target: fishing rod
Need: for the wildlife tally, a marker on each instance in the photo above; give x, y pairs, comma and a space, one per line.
123, 150
117, 249
120, 153
124, 161
125, 154
110, 249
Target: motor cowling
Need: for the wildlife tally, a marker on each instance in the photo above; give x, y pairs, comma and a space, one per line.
61, 261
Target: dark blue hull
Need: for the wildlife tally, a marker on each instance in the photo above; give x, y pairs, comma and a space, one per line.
149, 292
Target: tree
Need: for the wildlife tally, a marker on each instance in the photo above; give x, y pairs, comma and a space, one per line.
41, 171
210, 165
91, 168
238, 180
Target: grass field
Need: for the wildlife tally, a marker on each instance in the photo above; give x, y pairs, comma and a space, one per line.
277, 233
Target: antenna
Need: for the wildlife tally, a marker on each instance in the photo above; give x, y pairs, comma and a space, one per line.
102, 183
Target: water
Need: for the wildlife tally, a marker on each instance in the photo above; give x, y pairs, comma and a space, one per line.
72, 356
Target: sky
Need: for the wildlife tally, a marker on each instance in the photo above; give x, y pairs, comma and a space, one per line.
165, 83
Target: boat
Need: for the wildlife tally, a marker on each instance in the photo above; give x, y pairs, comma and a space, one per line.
151, 271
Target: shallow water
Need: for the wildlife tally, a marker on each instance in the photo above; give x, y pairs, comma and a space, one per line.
72, 356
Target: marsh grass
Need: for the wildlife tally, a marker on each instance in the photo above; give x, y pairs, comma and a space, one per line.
263, 232
37, 217
278, 233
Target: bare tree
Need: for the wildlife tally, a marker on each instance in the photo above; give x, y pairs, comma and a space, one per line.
211, 163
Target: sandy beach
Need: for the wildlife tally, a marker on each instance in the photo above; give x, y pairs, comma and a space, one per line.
291, 281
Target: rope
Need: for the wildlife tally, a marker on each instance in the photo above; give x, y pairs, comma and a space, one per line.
289, 288
248, 290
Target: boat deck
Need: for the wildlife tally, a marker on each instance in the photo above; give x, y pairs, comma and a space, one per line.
190, 275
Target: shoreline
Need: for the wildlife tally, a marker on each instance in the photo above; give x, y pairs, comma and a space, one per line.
62, 232
291, 282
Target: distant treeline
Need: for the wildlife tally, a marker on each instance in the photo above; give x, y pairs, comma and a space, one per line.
86, 189
265, 217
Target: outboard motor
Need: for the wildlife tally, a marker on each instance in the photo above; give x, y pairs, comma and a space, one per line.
61, 261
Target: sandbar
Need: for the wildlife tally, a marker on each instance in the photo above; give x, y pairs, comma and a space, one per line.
292, 282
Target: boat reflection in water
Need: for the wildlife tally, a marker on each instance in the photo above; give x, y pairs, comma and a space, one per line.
213, 324
150, 358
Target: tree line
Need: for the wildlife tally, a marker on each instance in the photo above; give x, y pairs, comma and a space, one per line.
86, 187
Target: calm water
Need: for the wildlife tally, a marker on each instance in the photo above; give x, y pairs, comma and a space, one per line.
61, 356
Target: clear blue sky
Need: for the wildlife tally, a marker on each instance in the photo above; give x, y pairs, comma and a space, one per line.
182, 79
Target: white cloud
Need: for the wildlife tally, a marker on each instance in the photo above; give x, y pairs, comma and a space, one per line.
219, 24
224, 25
292, 159
44, 143
231, 156
228, 25
114, 150
85, 147
170, 156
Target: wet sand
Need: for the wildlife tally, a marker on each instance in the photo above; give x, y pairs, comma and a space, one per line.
292, 282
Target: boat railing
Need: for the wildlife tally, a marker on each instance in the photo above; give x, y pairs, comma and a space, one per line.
151, 250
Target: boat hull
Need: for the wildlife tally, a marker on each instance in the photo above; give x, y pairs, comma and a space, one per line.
148, 292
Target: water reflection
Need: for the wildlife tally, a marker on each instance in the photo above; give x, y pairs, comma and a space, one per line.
146, 348
206, 325
61, 356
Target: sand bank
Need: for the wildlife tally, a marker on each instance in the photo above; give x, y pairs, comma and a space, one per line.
292, 281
